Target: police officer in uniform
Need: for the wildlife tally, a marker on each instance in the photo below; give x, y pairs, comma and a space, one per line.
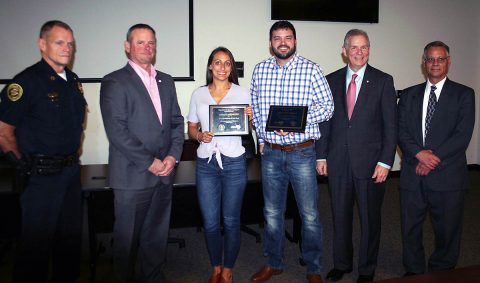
42, 112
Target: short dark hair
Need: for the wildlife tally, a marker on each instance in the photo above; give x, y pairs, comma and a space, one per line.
233, 77
283, 25
435, 44
48, 26
138, 26
354, 32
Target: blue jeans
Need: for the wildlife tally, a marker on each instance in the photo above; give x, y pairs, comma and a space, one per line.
298, 167
220, 192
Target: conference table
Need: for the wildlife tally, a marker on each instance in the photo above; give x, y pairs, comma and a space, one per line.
185, 210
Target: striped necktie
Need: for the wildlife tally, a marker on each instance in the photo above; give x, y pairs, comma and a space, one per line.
432, 103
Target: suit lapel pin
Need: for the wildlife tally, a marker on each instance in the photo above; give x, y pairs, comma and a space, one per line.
159, 81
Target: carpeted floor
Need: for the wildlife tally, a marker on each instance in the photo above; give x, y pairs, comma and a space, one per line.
191, 264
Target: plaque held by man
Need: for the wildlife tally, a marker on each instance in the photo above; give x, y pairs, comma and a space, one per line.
287, 118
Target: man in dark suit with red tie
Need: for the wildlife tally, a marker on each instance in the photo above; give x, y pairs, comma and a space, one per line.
358, 144
436, 120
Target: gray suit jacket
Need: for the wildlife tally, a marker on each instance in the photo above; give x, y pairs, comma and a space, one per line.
449, 135
370, 136
135, 134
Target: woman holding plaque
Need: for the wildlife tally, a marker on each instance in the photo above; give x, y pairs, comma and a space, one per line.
221, 172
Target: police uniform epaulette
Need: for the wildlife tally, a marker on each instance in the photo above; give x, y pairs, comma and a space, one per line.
17, 88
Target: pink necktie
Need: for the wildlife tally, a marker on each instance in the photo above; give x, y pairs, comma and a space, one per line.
351, 96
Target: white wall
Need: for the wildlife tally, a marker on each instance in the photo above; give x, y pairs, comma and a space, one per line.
96, 27
404, 28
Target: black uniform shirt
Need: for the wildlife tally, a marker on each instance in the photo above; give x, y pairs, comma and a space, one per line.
47, 111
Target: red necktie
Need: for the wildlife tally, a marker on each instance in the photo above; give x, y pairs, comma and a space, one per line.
351, 96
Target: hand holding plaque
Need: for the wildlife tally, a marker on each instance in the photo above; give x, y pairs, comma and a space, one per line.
287, 118
228, 119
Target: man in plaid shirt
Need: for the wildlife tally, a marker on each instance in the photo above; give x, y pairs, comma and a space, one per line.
287, 79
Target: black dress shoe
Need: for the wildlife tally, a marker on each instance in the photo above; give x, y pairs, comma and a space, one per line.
336, 274
364, 278
408, 273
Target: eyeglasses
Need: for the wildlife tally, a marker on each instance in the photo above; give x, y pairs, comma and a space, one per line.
363, 48
439, 60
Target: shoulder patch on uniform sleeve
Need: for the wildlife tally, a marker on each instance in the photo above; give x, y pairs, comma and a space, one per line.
14, 92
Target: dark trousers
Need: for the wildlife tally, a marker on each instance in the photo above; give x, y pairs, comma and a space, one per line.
142, 219
446, 211
51, 225
345, 190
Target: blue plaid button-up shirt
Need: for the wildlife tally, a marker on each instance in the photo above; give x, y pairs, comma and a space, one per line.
300, 82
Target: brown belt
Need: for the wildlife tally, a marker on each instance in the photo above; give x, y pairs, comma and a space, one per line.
290, 147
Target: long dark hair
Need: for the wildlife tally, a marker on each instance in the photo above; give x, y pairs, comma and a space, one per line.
233, 77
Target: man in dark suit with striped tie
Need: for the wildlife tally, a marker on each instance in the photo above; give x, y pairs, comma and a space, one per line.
436, 120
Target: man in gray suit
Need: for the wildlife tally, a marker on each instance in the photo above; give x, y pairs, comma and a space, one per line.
145, 128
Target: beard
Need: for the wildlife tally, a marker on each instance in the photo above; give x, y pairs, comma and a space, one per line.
286, 55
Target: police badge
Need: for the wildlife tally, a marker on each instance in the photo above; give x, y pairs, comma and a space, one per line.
14, 92
53, 96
